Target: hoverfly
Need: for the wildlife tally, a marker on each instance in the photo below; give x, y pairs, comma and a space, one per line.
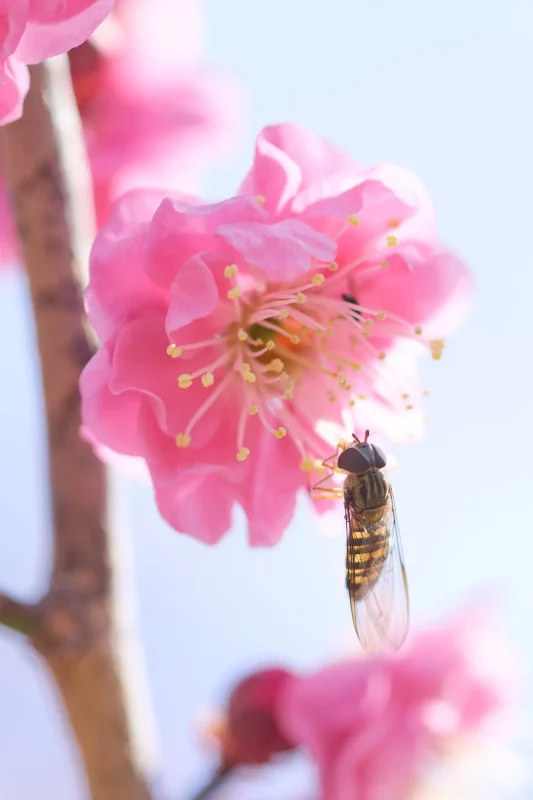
375, 571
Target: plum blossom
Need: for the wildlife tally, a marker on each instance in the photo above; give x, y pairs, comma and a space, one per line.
32, 30
377, 728
230, 330
150, 114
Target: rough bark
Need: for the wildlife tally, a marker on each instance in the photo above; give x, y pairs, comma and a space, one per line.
76, 627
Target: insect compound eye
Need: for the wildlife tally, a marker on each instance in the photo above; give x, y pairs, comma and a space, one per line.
356, 459
379, 456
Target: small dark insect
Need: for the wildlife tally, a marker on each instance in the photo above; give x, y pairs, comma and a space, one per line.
375, 572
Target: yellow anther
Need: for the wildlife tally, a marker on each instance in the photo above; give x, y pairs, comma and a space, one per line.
382, 356
418, 331
353, 220
243, 454
334, 266
184, 381
242, 335
174, 351
284, 377
366, 332
392, 241
405, 396
357, 367
287, 395
384, 265
245, 368
295, 339
381, 315
230, 270
208, 379
361, 397
183, 440
260, 199
329, 331
318, 279
270, 345
284, 313
276, 365
394, 223
301, 298
341, 380
234, 293
437, 346
425, 392
409, 408
351, 402
253, 409
249, 377
280, 432
307, 464
332, 397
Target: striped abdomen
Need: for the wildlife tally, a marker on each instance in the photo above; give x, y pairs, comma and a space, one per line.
367, 505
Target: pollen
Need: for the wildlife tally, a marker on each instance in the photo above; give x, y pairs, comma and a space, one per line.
418, 331
353, 220
307, 464
287, 395
280, 432
357, 366
394, 223
382, 356
243, 454
242, 336
270, 345
283, 314
384, 265
392, 241
208, 379
409, 408
318, 279
260, 199
276, 365
249, 377
183, 440
174, 351
334, 266
184, 381
405, 396
295, 339
253, 409
351, 402
425, 392
301, 298
234, 293
230, 270
381, 315
437, 346
246, 367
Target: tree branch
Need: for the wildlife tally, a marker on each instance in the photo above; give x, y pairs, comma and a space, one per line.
16, 615
79, 630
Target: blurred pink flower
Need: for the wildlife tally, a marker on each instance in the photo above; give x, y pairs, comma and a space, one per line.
375, 726
232, 329
32, 30
149, 114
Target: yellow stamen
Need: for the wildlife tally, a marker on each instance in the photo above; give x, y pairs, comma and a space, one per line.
253, 409
437, 346
409, 408
249, 377
276, 365
351, 402
392, 241
270, 345
184, 381
280, 432
384, 264
245, 367
334, 266
382, 356
425, 392
183, 440
231, 270
234, 293
283, 314
174, 351
318, 279
295, 339
301, 298
394, 223
260, 199
242, 335
381, 315
287, 395
307, 464
243, 454
405, 396
353, 220
418, 331
208, 379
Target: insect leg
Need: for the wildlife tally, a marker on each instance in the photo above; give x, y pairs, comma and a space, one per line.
318, 490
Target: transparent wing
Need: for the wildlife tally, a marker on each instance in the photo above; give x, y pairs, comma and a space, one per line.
381, 617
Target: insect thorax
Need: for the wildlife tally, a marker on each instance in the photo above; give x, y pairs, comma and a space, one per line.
369, 490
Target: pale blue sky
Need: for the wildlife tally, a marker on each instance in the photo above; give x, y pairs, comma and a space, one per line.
443, 90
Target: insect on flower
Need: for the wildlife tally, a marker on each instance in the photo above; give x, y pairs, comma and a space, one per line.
375, 572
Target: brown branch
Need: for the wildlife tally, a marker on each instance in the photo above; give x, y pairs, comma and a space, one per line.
16, 615
78, 629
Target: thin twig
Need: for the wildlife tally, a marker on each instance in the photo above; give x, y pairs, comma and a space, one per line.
19, 616
218, 780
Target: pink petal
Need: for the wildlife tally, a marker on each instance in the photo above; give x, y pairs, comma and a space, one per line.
14, 85
200, 509
55, 27
141, 364
118, 287
283, 249
180, 230
111, 419
289, 158
13, 18
193, 295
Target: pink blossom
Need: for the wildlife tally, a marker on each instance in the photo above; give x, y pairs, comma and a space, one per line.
149, 113
375, 726
232, 329
32, 30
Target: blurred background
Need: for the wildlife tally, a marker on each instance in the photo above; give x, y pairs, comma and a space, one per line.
441, 89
